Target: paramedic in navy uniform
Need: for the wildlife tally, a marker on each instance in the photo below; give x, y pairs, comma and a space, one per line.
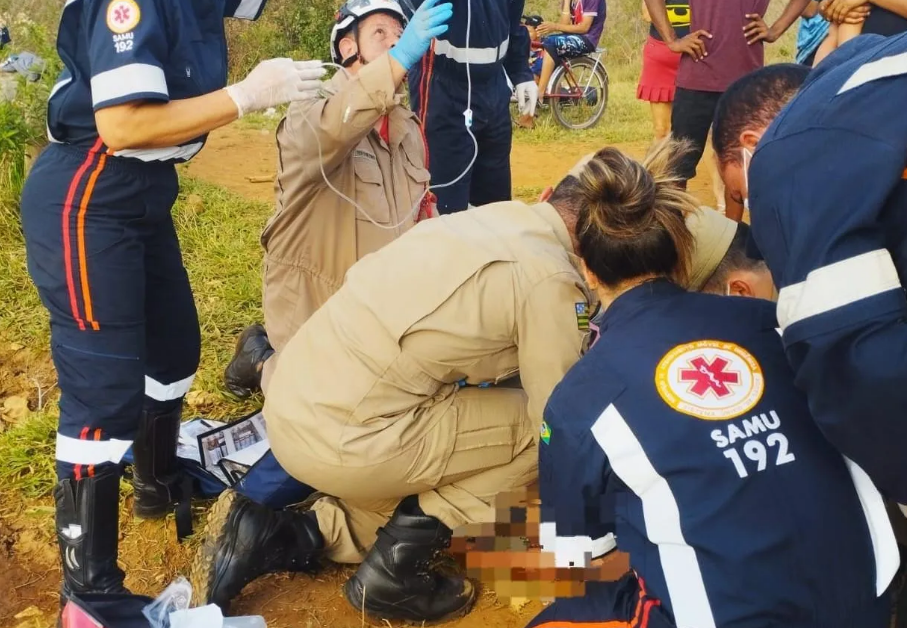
827, 190
144, 82
682, 433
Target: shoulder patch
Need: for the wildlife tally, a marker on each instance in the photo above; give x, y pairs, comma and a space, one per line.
582, 315
123, 16
710, 380
545, 433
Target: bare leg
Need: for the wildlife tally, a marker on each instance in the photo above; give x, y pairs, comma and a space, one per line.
661, 119
547, 71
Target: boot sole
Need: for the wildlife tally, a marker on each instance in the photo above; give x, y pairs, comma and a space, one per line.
202, 575
381, 613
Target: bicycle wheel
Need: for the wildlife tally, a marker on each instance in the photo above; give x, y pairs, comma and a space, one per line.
580, 96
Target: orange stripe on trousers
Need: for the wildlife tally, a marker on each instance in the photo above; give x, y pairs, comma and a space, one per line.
78, 469
97, 436
80, 231
67, 249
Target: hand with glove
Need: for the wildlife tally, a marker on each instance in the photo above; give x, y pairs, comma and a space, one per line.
427, 22
527, 96
276, 82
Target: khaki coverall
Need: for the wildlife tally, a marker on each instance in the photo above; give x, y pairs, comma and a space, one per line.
364, 403
315, 235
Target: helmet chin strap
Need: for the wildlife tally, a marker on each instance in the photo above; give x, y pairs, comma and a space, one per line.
356, 57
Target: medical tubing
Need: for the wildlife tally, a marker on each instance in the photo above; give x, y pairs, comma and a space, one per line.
467, 121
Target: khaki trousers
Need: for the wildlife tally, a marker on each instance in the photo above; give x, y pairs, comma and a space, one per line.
493, 451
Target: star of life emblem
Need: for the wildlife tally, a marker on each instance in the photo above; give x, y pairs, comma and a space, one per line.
123, 16
710, 380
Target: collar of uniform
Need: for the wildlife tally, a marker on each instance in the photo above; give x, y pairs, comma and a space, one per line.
548, 213
635, 299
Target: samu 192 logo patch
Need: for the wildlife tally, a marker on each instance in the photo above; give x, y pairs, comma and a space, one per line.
710, 380
582, 316
545, 433
123, 16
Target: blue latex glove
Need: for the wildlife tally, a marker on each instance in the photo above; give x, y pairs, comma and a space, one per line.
427, 22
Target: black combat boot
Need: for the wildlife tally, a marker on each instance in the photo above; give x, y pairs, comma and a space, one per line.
87, 522
243, 375
245, 540
156, 475
398, 579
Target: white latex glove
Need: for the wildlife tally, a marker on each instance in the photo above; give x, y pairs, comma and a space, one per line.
276, 82
527, 96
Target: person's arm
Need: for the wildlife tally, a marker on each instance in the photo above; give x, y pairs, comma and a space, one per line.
516, 61
841, 306
340, 121
577, 29
137, 125
658, 11
645, 12
549, 338
692, 44
811, 10
566, 15
577, 514
129, 91
757, 30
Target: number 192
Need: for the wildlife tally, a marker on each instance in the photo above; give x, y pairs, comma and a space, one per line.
755, 451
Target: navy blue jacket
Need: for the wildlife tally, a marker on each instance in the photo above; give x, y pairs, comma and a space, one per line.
120, 51
497, 38
681, 432
829, 215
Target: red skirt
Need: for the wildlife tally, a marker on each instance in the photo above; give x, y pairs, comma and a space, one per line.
659, 72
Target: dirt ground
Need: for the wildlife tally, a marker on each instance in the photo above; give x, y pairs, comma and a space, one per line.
235, 155
149, 553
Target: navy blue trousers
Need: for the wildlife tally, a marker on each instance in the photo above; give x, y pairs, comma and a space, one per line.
621, 604
268, 484
103, 253
439, 100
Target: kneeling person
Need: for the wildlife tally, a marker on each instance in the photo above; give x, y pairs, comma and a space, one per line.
356, 143
370, 409
683, 425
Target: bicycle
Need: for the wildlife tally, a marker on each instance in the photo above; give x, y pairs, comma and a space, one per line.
577, 93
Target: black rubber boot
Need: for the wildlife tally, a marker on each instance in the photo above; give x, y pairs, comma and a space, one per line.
156, 473
87, 522
243, 375
398, 579
245, 540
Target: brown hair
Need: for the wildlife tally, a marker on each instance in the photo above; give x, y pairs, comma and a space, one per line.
631, 222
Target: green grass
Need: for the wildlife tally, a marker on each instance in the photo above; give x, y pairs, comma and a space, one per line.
219, 233
28, 456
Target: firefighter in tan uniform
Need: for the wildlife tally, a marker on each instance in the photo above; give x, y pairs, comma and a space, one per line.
384, 400
351, 176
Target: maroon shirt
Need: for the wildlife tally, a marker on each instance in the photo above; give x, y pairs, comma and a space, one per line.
730, 57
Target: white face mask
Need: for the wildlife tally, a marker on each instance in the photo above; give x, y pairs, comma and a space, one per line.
727, 290
746, 179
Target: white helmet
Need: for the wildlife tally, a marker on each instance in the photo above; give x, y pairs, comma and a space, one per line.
352, 11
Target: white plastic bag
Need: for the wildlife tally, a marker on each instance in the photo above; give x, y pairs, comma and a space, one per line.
175, 597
